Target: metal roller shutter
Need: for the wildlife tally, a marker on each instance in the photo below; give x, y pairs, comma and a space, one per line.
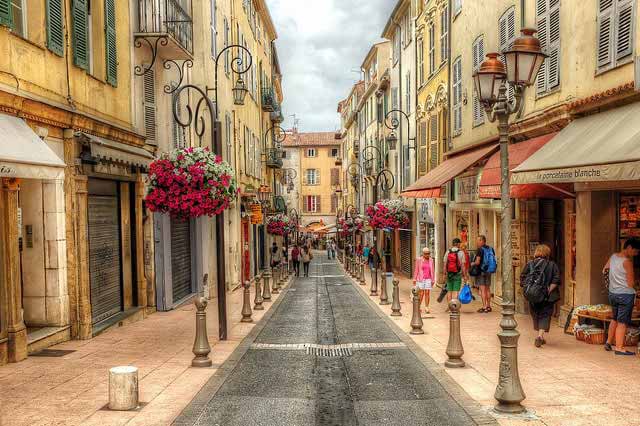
406, 258
181, 259
104, 257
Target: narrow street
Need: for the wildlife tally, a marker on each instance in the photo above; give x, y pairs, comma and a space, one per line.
325, 356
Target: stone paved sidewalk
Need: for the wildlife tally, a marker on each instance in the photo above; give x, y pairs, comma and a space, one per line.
73, 389
567, 382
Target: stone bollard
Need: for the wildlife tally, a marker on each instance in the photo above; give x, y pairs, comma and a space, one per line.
246, 303
454, 347
374, 282
276, 277
362, 280
123, 388
384, 297
257, 301
416, 319
395, 306
266, 287
201, 347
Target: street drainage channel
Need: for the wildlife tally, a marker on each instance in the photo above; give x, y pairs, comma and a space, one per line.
328, 351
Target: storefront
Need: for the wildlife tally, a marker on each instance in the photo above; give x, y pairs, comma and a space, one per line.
599, 157
33, 284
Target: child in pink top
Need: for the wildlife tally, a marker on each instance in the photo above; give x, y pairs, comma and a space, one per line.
423, 277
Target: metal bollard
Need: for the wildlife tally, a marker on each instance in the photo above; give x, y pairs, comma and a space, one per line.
395, 306
374, 282
454, 347
257, 301
246, 303
276, 278
361, 275
266, 287
201, 347
384, 297
416, 319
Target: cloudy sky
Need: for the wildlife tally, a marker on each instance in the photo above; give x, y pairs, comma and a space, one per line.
319, 43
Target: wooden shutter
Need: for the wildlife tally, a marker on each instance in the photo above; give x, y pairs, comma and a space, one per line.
317, 177
444, 34
605, 33
335, 176
334, 203
553, 61
149, 106
111, 49
433, 142
55, 26
304, 177
478, 55
624, 28
6, 17
80, 39
507, 33
214, 33
318, 203
422, 160
432, 49
457, 95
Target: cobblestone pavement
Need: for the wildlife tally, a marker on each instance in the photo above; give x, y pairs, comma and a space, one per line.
324, 355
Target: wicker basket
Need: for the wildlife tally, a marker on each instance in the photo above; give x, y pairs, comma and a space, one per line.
594, 336
580, 334
602, 314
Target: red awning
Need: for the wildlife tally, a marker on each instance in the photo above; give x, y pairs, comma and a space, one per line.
518, 153
428, 186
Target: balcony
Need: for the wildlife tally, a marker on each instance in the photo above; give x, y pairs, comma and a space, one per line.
276, 115
268, 99
274, 158
166, 25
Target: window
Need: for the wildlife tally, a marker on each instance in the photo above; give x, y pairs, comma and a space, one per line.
432, 49
149, 106
311, 152
334, 152
334, 203
548, 21
478, 56
433, 142
285, 154
313, 177
111, 52
422, 159
407, 93
14, 16
444, 34
407, 29
228, 130
615, 32
507, 35
335, 176
214, 32
227, 62
420, 62
80, 33
457, 7
312, 204
457, 96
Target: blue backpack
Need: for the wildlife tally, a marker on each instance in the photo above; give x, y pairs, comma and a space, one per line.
489, 262
465, 295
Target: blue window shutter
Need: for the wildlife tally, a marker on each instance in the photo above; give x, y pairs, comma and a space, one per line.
80, 37
55, 27
111, 50
6, 18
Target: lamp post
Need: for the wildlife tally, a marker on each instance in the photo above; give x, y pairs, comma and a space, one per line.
385, 181
392, 123
338, 235
196, 119
352, 211
523, 62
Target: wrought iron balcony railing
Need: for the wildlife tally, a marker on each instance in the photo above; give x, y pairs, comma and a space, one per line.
268, 99
274, 158
167, 17
276, 115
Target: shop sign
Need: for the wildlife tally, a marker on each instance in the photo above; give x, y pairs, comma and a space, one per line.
597, 173
425, 213
6, 170
255, 212
467, 189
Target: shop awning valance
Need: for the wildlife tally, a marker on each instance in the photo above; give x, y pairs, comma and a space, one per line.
519, 152
23, 154
108, 150
429, 185
598, 148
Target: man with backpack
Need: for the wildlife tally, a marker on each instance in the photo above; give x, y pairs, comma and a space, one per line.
454, 269
485, 264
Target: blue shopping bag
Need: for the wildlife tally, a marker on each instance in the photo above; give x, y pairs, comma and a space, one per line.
465, 295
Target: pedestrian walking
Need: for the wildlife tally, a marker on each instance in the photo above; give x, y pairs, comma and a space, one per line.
331, 254
295, 259
455, 269
484, 265
373, 258
540, 280
621, 294
306, 259
424, 276
285, 256
334, 247
275, 255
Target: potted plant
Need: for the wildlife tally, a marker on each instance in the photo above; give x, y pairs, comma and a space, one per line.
387, 214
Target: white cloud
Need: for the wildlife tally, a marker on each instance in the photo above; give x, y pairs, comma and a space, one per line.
319, 43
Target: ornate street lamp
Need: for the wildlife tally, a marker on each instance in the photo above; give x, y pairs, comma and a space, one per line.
392, 123
239, 92
369, 155
523, 64
386, 182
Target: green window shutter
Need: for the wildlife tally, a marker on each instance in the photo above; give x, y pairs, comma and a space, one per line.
55, 27
80, 34
6, 18
110, 40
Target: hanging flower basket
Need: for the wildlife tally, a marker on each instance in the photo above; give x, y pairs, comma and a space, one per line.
387, 214
350, 225
190, 183
279, 224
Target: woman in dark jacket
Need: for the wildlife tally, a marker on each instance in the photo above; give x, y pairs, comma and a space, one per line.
542, 312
